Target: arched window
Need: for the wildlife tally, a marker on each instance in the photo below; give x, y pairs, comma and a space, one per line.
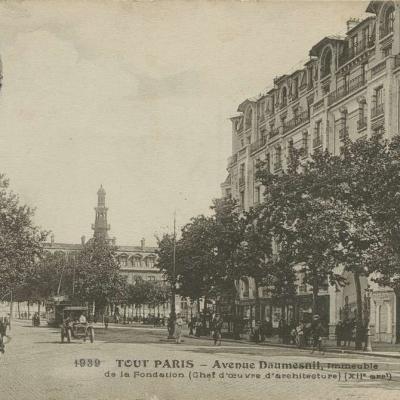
137, 261
387, 21
249, 117
284, 96
326, 63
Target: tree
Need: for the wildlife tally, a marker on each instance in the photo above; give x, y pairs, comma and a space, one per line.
303, 222
98, 278
21, 242
228, 235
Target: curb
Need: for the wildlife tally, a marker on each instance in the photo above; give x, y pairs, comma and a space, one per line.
289, 346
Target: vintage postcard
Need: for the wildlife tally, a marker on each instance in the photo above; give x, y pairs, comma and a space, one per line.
199, 200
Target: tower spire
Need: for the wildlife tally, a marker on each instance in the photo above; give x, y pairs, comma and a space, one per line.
100, 225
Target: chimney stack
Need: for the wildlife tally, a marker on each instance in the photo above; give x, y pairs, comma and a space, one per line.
143, 243
83, 240
352, 22
52, 239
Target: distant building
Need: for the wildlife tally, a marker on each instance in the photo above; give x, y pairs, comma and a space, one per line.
349, 86
135, 261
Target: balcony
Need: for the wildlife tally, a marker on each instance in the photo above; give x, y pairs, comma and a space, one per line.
317, 142
343, 132
342, 91
362, 123
258, 144
296, 121
352, 52
377, 111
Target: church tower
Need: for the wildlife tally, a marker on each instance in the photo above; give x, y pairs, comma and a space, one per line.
100, 225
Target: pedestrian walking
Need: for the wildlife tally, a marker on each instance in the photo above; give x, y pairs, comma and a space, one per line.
178, 328
217, 328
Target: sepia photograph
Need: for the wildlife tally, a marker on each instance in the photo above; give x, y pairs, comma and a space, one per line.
199, 200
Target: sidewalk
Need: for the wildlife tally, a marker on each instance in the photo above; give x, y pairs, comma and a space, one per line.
378, 349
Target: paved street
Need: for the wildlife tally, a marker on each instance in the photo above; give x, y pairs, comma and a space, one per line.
37, 366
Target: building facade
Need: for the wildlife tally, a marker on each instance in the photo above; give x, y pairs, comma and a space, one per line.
349, 86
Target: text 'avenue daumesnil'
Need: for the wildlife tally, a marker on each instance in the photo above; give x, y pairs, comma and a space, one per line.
232, 365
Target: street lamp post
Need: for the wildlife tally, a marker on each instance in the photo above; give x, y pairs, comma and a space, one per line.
368, 344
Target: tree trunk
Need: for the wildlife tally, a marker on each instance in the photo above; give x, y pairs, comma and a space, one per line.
315, 291
29, 312
38, 307
359, 321
19, 313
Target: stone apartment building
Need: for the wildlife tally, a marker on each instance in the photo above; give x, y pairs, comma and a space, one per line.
349, 86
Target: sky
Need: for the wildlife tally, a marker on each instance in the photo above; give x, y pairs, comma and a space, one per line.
137, 96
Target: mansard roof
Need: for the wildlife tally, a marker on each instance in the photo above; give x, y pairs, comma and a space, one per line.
315, 50
242, 106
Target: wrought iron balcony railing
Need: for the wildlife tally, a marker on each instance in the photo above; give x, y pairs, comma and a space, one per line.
343, 91
296, 121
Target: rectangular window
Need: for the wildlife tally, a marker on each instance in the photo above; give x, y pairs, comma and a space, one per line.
379, 96
317, 140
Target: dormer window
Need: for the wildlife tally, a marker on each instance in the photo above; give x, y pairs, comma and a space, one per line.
387, 22
326, 63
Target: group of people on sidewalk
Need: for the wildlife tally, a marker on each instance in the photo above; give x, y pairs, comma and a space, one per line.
346, 332
304, 334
